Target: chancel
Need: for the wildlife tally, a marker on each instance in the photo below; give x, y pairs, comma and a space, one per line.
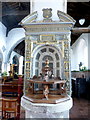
44, 58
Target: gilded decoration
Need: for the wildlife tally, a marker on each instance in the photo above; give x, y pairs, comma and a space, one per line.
28, 57
47, 28
52, 33
47, 38
67, 64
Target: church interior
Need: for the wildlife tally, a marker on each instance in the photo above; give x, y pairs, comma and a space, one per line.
44, 59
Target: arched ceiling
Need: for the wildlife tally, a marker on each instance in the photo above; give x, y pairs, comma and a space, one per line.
20, 48
14, 12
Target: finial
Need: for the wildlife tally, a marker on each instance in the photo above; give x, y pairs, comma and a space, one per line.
47, 63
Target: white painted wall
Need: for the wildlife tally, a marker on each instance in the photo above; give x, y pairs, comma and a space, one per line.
3, 44
2, 36
15, 36
7, 44
89, 51
79, 52
38, 5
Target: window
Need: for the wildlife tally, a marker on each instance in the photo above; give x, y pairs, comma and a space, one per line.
43, 50
36, 72
57, 64
51, 50
57, 57
37, 57
36, 64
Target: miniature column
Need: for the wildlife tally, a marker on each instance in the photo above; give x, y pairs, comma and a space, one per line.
28, 60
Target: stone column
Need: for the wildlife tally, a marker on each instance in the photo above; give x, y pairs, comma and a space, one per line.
20, 65
88, 51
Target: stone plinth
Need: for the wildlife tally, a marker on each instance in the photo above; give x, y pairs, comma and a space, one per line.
42, 110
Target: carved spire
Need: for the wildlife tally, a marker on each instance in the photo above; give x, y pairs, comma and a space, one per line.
47, 63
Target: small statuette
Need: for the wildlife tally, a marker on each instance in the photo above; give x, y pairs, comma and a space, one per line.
46, 77
46, 91
47, 63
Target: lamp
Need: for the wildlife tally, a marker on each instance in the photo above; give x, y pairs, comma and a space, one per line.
81, 21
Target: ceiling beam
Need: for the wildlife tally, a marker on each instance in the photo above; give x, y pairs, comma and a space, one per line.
16, 13
15, 0
80, 30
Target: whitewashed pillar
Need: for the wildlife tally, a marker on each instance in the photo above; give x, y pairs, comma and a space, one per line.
21, 65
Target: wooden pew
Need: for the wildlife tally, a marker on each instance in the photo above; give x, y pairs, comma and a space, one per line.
13, 89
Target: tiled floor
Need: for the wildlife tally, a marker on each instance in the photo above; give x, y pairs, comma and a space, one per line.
79, 111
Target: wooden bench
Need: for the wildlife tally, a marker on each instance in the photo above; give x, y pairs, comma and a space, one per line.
13, 89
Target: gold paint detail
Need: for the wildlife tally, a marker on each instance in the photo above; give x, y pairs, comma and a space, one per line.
47, 37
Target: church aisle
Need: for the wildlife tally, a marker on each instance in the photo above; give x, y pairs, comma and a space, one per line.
80, 109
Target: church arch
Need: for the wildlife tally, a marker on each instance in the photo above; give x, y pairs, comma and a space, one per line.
12, 48
15, 62
83, 52
54, 56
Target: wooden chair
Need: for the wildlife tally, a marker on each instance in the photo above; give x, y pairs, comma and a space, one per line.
15, 111
0, 108
9, 108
